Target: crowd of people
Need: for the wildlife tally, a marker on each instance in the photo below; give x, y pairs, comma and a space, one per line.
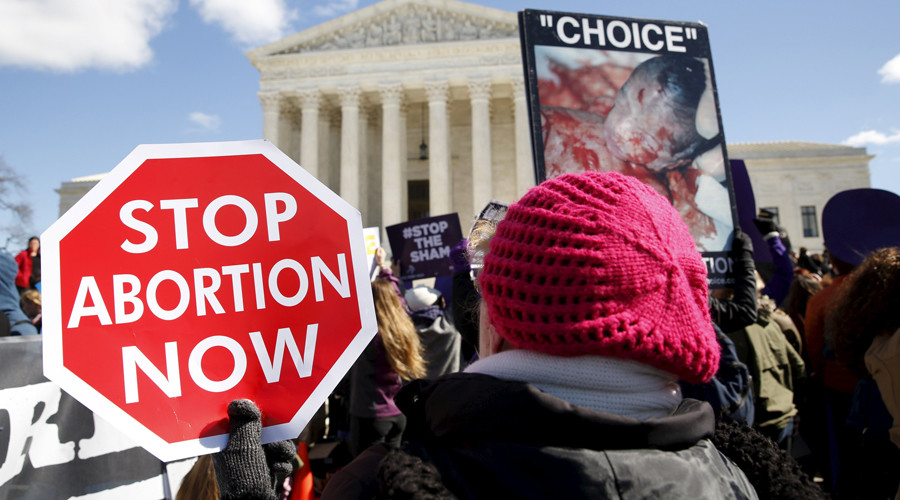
20, 291
582, 355
590, 360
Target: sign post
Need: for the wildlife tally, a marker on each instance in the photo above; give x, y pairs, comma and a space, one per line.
196, 274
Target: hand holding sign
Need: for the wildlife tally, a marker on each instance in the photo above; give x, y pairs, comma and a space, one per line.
246, 468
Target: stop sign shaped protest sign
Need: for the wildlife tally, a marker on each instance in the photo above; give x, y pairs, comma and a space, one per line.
195, 274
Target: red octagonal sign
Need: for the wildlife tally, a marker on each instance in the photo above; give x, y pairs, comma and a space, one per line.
195, 274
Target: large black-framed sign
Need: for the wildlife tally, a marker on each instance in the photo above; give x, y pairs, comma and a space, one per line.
634, 96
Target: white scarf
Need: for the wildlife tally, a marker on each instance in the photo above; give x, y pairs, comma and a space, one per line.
612, 385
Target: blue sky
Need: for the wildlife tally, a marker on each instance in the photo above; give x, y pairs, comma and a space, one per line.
83, 83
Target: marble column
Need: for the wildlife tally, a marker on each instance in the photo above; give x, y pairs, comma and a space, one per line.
309, 132
271, 107
480, 95
404, 163
350, 145
391, 159
438, 148
524, 160
288, 140
362, 168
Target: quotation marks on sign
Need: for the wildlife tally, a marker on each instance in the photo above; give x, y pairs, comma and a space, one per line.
618, 33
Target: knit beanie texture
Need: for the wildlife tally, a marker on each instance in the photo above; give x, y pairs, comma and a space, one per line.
599, 263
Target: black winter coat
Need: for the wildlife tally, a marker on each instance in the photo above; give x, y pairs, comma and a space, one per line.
483, 437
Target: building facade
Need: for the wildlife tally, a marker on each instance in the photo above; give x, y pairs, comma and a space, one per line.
406, 108
796, 179
414, 108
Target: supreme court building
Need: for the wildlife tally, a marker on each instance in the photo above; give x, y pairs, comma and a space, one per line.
406, 108
414, 108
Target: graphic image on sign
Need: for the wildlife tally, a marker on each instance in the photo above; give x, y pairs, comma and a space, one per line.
196, 274
638, 97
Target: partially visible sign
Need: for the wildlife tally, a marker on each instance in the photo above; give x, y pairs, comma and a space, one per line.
491, 214
423, 245
372, 236
51, 446
638, 97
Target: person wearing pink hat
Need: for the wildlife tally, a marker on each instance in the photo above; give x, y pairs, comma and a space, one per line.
594, 306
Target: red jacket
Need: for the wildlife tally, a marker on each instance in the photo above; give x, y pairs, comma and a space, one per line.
23, 259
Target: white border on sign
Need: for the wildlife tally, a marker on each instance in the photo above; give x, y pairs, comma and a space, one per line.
52, 311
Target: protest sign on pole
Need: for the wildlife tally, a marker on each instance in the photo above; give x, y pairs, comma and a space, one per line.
196, 274
638, 97
423, 245
492, 214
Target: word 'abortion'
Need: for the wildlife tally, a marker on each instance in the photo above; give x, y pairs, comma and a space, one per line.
206, 282
589, 32
132, 295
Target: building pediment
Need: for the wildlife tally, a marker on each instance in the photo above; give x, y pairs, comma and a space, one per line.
396, 23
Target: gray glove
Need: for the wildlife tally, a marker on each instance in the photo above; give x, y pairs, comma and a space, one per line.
245, 469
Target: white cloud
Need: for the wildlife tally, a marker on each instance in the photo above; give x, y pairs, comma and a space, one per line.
250, 23
874, 138
66, 35
890, 72
335, 7
207, 122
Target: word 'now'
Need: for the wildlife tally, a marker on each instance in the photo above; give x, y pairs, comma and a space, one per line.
170, 382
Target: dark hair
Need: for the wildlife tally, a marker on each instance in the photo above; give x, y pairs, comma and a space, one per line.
865, 308
802, 288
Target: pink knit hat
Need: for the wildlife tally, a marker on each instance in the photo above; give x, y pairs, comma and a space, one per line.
599, 263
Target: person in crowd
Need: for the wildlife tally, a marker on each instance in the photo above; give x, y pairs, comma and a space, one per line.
736, 308
439, 338
464, 303
803, 287
855, 223
730, 392
394, 354
595, 304
779, 283
805, 261
863, 324
775, 367
200, 481
808, 396
777, 315
29, 265
10, 305
30, 302
467, 258
5, 327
